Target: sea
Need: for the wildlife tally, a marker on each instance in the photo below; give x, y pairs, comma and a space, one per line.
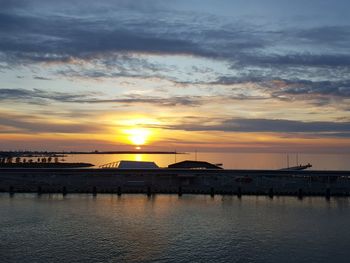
168, 228
228, 160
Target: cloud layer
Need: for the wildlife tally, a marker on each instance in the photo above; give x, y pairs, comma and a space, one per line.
283, 69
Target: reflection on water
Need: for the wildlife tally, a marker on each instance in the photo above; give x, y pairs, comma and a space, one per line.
168, 228
229, 160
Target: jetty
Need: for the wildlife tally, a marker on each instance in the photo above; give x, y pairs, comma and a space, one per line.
175, 181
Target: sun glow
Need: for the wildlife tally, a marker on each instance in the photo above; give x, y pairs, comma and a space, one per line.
138, 136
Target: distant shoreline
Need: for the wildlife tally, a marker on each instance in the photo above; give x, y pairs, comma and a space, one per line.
45, 165
127, 152
64, 153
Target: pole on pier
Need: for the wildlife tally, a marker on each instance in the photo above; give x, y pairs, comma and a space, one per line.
271, 192
328, 193
300, 193
94, 191
64, 191
149, 191
212, 191
239, 192
39, 190
119, 191
179, 191
11, 190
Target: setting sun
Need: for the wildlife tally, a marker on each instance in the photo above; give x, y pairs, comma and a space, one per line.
138, 136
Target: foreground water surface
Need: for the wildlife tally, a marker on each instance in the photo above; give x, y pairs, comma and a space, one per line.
168, 228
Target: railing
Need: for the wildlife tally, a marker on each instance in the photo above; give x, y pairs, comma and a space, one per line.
109, 165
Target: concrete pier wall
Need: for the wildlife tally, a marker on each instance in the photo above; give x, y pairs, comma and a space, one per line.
151, 181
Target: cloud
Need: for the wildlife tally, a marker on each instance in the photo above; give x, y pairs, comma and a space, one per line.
57, 31
316, 92
25, 38
36, 96
36, 31
298, 59
113, 65
266, 125
191, 101
285, 62
330, 35
41, 78
31, 124
305, 89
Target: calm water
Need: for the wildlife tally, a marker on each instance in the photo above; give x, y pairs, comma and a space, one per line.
165, 228
229, 160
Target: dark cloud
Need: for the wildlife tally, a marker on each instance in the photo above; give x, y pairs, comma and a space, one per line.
36, 96
305, 87
267, 125
41, 78
299, 59
318, 92
108, 32
48, 37
191, 101
31, 124
59, 37
327, 35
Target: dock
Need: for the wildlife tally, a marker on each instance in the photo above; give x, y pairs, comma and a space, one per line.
175, 181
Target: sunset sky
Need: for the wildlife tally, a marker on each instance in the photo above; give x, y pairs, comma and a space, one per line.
240, 76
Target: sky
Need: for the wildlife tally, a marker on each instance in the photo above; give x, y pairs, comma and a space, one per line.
223, 75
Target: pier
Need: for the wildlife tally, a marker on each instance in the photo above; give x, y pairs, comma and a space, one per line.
176, 181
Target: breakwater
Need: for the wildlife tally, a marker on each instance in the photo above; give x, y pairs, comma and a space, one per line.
176, 181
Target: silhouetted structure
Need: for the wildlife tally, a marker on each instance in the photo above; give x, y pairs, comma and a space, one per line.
297, 168
193, 165
130, 165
